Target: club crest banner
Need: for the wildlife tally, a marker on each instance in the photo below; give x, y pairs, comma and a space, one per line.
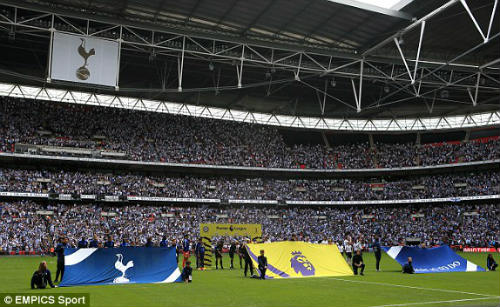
440, 259
107, 266
293, 259
85, 59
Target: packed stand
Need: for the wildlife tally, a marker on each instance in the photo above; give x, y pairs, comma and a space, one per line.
150, 136
31, 226
68, 182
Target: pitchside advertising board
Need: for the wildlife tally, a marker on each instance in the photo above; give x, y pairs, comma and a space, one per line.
231, 230
481, 250
207, 231
84, 59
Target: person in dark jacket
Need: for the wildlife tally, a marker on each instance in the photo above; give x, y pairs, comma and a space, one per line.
149, 242
186, 249
199, 251
125, 243
83, 243
164, 242
377, 251
202, 256
232, 251
63, 243
240, 253
408, 267
109, 243
358, 264
187, 272
95, 242
491, 264
41, 278
248, 260
218, 255
262, 264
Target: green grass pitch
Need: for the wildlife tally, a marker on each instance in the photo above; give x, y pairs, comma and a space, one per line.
229, 288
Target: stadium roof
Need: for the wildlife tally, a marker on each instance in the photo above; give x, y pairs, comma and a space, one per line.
322, 58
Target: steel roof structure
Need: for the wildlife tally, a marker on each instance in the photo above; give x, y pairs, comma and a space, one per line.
299, 59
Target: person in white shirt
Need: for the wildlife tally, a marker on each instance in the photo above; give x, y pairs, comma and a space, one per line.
358, 246
341, 248
348, 250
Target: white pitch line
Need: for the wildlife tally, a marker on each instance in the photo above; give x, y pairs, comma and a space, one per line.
410, 287
439, 302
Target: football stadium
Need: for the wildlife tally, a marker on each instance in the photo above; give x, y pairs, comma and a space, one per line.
267, 153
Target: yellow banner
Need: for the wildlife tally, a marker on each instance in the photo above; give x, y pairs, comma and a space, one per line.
231, 230
293, 259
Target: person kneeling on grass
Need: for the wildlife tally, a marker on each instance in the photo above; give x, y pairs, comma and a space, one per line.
408, 267
357, 263
187, 272
491, 264
41, 277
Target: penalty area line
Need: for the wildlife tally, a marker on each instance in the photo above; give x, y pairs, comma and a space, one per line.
439, 302
410, 287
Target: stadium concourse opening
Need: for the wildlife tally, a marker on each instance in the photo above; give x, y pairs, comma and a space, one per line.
269, 153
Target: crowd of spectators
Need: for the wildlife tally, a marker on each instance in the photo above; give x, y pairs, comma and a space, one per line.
430, 186
30, 226
150, 136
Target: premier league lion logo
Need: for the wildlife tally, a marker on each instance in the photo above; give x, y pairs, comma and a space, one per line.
301, 264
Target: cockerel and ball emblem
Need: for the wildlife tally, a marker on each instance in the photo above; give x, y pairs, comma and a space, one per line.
122, 268
83, 73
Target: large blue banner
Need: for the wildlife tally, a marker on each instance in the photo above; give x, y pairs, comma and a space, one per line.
105, 266
432, 260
